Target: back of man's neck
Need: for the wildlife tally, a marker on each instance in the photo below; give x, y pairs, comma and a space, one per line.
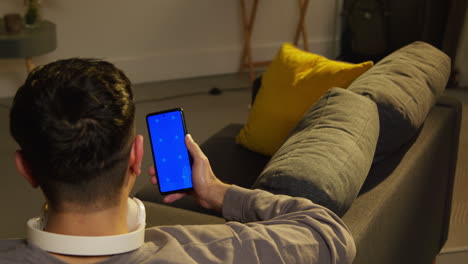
106, 222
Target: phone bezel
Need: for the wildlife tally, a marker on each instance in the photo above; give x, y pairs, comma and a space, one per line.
179, 109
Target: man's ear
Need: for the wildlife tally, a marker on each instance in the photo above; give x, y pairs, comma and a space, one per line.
23, 168
136, 155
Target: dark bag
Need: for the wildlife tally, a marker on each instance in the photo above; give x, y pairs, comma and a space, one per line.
365, 35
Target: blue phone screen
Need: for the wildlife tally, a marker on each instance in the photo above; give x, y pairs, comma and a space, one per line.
171, 157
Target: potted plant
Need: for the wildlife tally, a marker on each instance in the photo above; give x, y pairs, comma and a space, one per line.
32, 16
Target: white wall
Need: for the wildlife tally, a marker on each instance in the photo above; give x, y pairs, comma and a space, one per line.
166, 39
461, 62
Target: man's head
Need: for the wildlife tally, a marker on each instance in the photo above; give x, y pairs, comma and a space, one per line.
74, 122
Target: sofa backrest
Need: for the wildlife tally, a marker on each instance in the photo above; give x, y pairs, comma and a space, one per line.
405, 86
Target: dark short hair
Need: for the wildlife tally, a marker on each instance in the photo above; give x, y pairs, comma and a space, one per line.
74, 122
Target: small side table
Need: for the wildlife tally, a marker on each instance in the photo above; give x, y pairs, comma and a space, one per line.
28, 43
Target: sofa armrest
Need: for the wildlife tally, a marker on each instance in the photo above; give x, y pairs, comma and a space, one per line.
403, 211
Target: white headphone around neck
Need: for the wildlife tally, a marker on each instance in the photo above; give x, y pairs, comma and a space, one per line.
92, 245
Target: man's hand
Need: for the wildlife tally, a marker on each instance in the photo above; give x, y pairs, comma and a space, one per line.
208, 190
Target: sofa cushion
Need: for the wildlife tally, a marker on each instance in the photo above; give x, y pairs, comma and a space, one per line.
328, 155
290, 85
405, 86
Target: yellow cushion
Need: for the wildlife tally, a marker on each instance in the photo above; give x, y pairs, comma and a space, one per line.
292, 83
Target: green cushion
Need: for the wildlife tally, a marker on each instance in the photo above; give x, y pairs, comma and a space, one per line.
328, 155
405, 86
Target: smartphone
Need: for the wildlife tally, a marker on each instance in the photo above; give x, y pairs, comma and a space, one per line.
171, 158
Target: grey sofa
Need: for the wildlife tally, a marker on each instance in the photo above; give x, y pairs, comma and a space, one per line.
400, 160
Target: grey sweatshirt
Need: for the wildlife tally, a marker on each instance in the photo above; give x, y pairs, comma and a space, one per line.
263, 228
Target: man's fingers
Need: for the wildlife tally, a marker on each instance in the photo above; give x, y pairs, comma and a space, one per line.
151, 171
173, 197
193, 147
154, 180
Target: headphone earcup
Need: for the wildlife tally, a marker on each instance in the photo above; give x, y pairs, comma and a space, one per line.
136, 214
